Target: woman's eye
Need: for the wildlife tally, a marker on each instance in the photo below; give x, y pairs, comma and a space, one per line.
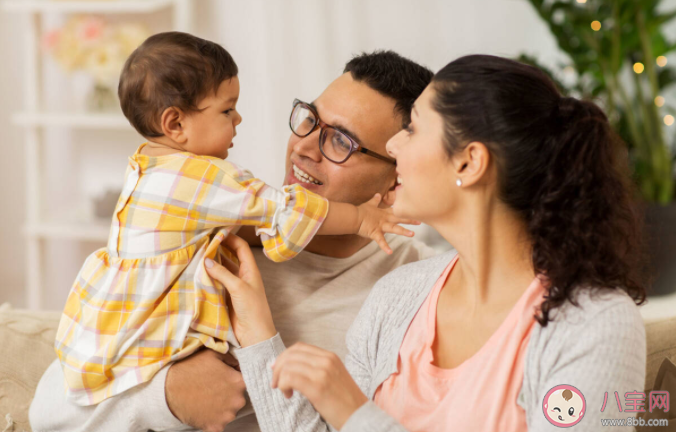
409, 129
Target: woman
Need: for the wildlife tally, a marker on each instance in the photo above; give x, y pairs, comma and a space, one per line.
529, 326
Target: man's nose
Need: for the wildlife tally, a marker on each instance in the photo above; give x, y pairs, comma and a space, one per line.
309, 146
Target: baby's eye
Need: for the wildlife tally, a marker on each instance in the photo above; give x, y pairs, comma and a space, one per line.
571, 411
557, 409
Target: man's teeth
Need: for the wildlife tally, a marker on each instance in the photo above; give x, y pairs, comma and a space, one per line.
304, 177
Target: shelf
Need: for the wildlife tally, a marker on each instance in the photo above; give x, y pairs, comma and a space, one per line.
85, 6
92, 231
73, 120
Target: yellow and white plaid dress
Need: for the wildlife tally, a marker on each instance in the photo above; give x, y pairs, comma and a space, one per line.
146, 300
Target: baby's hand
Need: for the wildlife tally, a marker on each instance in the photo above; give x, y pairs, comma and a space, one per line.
374, 222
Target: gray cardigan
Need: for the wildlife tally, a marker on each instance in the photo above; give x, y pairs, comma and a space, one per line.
597, 347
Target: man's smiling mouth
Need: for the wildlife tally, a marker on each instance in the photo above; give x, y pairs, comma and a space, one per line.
304, 177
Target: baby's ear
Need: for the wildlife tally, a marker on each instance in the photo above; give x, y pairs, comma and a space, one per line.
172, 126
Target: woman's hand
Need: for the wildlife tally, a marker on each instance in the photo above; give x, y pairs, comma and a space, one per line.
249, 311
322, 378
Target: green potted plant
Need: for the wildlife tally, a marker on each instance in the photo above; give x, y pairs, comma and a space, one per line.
618, 57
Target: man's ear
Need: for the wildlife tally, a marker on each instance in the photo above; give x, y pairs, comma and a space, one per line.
172, 125
471, 164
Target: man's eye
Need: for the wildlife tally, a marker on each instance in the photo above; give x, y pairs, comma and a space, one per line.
340, 141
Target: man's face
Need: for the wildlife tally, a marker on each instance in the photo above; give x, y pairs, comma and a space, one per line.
370, 119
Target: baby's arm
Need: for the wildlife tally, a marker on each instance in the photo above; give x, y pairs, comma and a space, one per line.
366, 220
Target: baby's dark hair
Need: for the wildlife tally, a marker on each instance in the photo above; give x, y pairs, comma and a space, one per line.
170, 69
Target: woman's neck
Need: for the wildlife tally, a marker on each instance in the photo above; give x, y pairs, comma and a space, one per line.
495, 264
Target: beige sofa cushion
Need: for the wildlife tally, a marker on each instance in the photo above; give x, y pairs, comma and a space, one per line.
27, 348
661, 341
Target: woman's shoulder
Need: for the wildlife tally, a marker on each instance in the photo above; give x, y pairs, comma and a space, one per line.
598, 320
401, 291
411, 279
597, 305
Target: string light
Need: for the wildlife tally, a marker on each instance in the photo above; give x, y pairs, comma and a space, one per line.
582, 1
668, 119
659, 101
661, 61
638, 67
596, 25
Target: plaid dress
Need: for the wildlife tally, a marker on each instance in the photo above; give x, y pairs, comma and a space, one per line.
146, 300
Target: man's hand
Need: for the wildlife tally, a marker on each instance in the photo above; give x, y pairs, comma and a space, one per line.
204, 392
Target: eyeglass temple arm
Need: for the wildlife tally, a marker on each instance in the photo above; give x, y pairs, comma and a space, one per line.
377, 155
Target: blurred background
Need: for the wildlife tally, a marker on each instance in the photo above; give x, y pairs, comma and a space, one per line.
65, 143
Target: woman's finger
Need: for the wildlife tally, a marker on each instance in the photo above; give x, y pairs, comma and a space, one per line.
247, 264
297, 377
231, 266
308, 355
231, 282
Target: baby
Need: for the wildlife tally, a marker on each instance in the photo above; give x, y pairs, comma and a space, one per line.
146, 300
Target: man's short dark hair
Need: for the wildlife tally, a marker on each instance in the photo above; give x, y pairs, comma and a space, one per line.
170, 69
393, 76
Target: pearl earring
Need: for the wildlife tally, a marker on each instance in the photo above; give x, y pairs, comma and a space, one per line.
458, 182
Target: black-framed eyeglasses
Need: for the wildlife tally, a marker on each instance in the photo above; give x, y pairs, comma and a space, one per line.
304, 120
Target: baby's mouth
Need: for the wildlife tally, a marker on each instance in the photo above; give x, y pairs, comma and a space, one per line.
560, 418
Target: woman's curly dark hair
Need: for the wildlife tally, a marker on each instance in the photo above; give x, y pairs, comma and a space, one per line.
560, 166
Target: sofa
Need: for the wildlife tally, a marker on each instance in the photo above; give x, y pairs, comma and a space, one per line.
26, 344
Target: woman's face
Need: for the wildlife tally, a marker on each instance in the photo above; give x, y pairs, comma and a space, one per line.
427, 189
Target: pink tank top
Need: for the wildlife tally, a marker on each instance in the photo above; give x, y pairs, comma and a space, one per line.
479, 394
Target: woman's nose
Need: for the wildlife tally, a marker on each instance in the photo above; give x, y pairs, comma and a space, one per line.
392, 146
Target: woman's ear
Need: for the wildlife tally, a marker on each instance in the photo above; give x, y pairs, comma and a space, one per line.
472, 163
172, 125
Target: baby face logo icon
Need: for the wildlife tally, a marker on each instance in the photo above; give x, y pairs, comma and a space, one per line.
564, 406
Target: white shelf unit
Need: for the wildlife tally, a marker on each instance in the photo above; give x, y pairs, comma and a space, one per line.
33, 119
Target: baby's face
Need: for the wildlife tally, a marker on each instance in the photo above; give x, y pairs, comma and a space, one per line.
562, 411
211, 130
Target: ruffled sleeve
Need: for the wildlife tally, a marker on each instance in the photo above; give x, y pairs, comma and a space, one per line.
285, 220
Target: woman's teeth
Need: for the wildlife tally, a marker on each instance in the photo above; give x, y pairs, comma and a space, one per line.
399, 179
304, 177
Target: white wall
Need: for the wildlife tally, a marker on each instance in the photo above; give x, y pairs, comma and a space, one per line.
284, 49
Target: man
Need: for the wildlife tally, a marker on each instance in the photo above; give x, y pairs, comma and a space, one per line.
337, 149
